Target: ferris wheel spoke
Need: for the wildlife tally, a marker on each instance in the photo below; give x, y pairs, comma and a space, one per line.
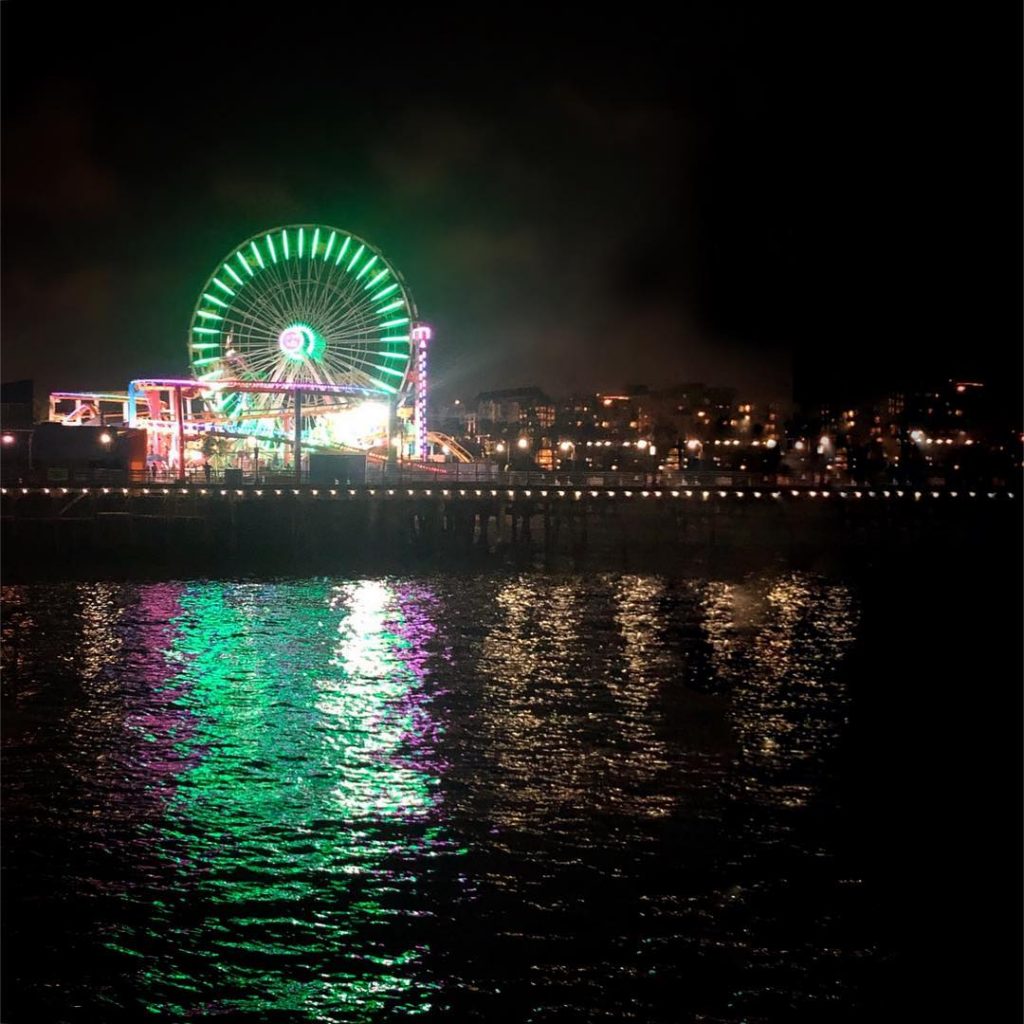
323, 293
281, 315
330, 294
273, 293
319, 303
274, 286
303, 287
352, 322
295, 288
362, 320
253, 360
255, 368
249, 328
329, 318
345, 290
260, 300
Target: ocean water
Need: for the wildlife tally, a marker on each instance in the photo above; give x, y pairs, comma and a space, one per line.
526, 797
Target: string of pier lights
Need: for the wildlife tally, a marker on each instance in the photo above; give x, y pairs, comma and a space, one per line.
514, 493
641, 444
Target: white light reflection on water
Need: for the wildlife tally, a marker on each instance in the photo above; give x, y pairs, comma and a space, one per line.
776, 650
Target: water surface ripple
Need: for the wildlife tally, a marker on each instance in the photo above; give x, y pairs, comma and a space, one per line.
538, 798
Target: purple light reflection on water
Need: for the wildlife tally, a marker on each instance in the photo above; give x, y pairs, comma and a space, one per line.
415, 629
159, 715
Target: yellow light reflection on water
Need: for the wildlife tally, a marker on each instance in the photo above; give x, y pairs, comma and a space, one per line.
776, 647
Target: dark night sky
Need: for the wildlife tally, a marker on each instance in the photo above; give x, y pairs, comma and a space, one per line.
575, 203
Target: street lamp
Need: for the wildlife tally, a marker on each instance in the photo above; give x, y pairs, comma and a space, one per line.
696, 448
569, 446
522, 444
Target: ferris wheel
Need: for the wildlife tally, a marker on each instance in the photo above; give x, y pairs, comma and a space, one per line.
301, 304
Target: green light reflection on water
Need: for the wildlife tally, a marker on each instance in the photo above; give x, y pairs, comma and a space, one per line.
302, 827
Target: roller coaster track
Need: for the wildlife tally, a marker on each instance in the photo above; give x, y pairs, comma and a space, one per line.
456, 449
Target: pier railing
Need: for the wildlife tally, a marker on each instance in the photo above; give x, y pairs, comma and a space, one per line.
446, 474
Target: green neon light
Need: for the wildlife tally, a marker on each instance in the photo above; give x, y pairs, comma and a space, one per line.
343, 250
392, 355
273, 251
330, 245
316, 242
393, 305
205, 344
397, 323
355, 259
284, 243
301, 234
395, 337
385, 291
206, 360
215, 300
258, 255
222, 286
208, 316
233, 274
377, 277
369, 263
387, 369
245, 263
206, 330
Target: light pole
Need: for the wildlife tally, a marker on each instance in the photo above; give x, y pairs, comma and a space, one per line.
523, 444
569, 446
400, 453
697, 448
106, 440
10, 439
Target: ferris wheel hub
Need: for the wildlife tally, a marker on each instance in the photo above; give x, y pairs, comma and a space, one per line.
300, 341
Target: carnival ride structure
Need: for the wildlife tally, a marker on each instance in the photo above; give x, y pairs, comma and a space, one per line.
303, 338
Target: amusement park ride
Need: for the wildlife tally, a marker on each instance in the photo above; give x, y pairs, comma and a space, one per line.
303, 339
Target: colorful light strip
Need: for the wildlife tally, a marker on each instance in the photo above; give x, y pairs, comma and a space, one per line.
421, 335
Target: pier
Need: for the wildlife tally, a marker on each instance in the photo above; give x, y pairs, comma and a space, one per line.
249, 528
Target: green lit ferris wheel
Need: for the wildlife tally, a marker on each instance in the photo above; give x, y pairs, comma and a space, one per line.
303, 307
